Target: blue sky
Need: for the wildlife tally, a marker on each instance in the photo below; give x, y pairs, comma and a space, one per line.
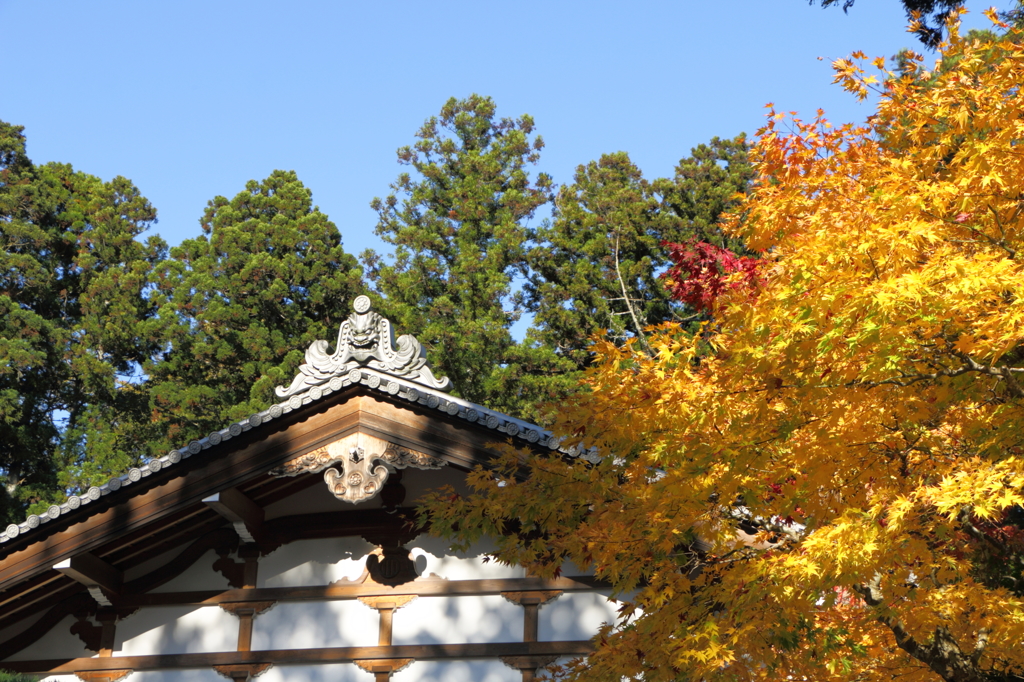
192, 99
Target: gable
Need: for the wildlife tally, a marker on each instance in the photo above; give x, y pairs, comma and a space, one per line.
357, 438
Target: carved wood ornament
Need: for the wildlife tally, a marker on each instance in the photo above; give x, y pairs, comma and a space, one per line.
356, 467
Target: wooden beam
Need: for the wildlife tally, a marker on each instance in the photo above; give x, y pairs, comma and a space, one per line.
420, 652
97, 575
421, 588
250, 455
244, 514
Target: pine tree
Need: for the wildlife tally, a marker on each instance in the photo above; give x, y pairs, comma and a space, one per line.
598, 264
76, 322
240, 303
459, 226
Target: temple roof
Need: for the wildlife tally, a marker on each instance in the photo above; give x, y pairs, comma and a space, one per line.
365, 354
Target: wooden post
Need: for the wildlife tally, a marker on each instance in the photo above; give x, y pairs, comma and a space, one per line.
246, 612
531, 603
385, 607
107, 619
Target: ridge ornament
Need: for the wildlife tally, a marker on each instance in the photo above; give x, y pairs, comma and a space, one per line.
365, 339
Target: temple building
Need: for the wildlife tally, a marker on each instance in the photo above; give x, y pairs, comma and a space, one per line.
287, 546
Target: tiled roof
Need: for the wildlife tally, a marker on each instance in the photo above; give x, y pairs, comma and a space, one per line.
322, 375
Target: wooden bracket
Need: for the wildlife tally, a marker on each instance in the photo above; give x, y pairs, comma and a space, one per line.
242, 672
528, 662
233, 570
247, 608
101, 579
531, 603
245, 515
103, 675
383, 669
390, 602
528, 665
90, 634
385, 607
246, 612
536, 597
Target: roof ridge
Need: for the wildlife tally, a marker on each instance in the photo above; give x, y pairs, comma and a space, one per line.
414, 386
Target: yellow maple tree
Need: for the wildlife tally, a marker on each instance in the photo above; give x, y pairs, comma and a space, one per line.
827, 481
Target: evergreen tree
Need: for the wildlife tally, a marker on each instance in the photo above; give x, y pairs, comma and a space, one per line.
597, 264
459, 227
928, 17
76, 322
240, 304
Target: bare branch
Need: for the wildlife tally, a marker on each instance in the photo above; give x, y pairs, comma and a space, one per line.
628, 302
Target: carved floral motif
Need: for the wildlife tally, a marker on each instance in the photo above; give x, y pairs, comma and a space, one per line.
358, 465
365, 339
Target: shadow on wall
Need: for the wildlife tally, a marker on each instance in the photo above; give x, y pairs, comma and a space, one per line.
58, 642
303, 625
575, 616
176, 630
314, 562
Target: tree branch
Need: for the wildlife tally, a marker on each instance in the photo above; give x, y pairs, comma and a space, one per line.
628, 302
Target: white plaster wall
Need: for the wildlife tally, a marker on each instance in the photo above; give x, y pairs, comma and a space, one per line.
60, 678
574, 616
457, 671
320, 562
198, 576
176, 630
473, 565
314, 562
309, 625
451, 620
298, 625
57, 643
339, 672
154, 562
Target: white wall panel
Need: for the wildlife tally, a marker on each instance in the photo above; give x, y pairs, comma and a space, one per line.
176, 630
451, 620
457, 671
198, 576
314, 562
574, 616
57, 643
474, 565
306, 625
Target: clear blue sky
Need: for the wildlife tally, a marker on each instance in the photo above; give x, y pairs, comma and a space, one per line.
192, 99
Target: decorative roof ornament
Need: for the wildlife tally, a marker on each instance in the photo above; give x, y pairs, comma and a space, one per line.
359, 465
365, 339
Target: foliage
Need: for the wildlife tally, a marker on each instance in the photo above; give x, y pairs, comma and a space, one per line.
596, 265
928, 18
836, 491
460, 232
6, 676
702, 272
241, 303
75, 324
